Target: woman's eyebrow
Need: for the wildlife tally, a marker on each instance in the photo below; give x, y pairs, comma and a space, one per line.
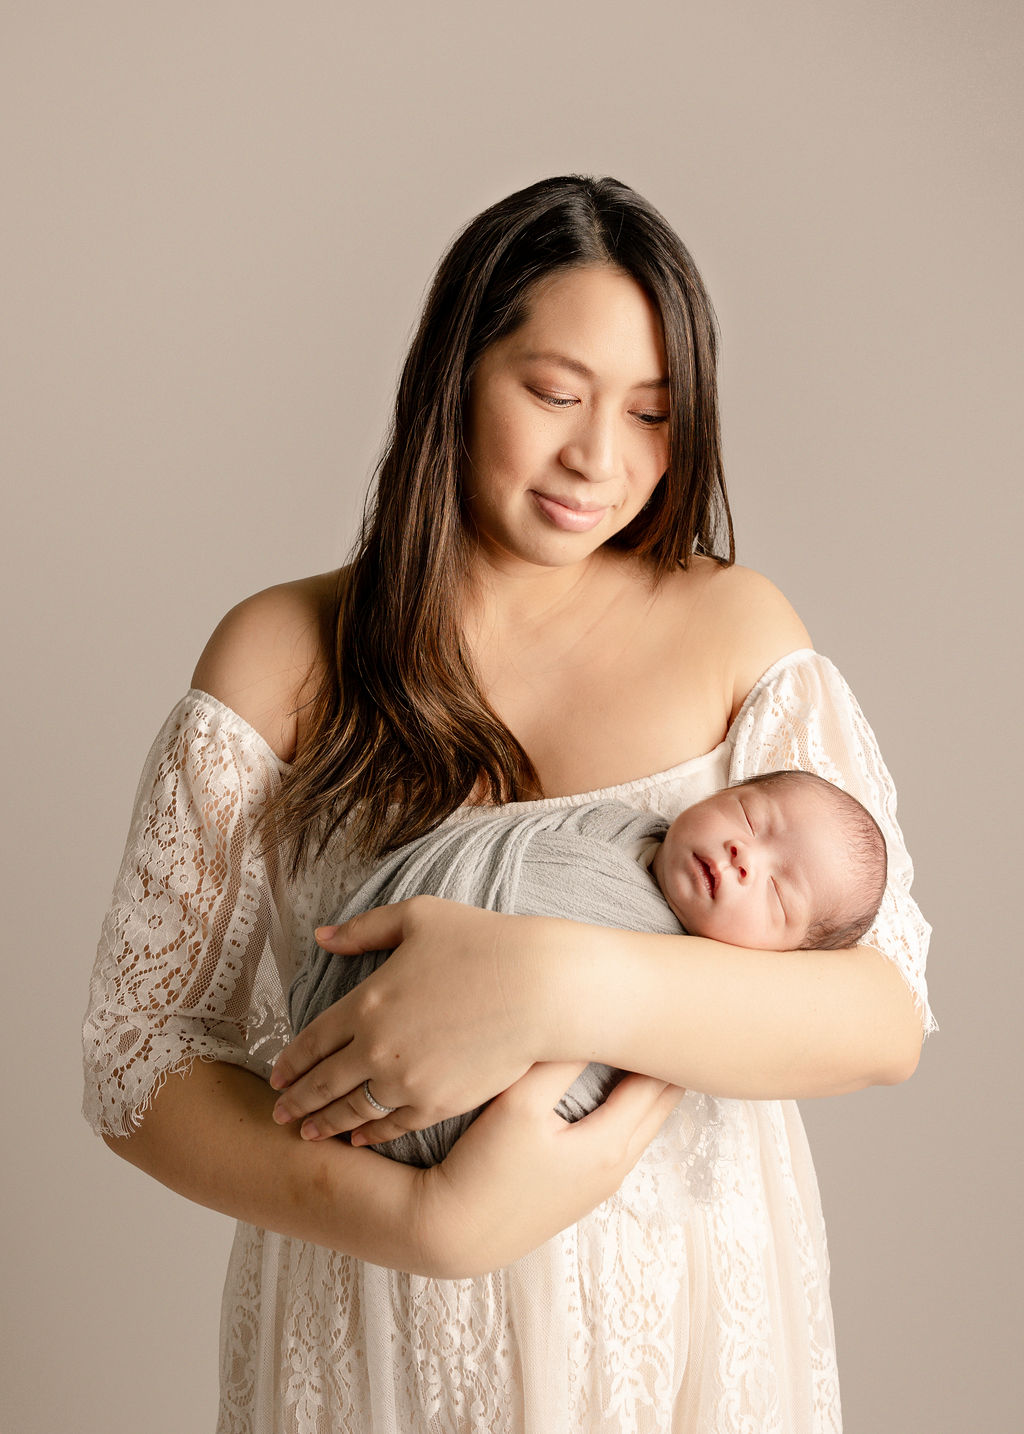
574, 366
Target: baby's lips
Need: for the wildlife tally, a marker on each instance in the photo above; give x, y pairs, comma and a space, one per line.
707, 874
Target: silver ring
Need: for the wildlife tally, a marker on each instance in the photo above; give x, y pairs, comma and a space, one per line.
384, 1109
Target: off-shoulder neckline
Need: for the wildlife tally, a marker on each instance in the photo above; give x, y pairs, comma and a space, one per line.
791, 659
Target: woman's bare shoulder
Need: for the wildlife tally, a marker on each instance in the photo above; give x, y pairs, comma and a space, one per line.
266, 656
747, 620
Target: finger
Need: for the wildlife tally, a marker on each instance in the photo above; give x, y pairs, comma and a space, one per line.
380, 929
324, 1037
651, 1123
539, 1089
379, 1132
636, 1095
353, 1110
328, 1082
638, 1103
347, 1114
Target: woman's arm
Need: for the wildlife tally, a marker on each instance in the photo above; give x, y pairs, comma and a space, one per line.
517, 1177
748, 1024
209, 1137
187, 980
468, 997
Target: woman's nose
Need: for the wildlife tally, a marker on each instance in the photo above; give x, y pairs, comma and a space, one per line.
593, 451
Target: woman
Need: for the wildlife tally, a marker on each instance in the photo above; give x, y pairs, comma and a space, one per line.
543, 607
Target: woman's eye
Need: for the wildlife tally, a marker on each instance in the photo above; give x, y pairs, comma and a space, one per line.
555, 400
652, 420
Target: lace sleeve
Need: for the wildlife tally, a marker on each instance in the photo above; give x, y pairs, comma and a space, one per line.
802, 714
186, 964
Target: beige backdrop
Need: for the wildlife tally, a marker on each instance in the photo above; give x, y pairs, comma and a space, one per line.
220, 220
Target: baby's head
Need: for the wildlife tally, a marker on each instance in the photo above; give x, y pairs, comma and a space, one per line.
784, 862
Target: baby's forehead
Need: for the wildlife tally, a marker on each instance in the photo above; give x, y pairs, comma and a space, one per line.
793, 793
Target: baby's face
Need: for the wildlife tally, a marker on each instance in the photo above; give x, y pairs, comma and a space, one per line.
754, 865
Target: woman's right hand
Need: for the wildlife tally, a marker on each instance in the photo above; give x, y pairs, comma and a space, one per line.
521, 1173
453, 1016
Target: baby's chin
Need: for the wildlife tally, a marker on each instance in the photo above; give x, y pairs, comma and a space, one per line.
700, 925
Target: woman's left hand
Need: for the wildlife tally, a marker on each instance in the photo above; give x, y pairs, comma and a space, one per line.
520, 1173
454, 1016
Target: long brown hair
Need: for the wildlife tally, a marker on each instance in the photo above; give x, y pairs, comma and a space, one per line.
399, 734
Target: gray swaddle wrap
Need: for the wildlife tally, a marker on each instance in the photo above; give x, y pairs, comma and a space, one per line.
578, 862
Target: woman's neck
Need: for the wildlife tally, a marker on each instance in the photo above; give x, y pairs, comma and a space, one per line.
509, 602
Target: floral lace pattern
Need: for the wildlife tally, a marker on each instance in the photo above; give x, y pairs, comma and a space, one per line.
803, 715
695, 1299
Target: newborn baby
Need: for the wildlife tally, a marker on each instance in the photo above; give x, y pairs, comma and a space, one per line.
782, 862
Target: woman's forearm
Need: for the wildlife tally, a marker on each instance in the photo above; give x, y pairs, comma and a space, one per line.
517, 1177
210, 1137
469, 998
724, 1019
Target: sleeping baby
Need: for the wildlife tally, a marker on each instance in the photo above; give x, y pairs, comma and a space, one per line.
782, 862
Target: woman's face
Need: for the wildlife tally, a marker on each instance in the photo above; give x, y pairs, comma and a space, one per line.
567, 428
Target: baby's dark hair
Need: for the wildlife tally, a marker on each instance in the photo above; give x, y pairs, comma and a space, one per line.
842, 927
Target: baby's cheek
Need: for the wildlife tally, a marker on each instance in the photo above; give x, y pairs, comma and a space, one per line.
686, 912
702, 922
732, 926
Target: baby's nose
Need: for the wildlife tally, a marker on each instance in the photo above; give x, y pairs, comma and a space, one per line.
739, 860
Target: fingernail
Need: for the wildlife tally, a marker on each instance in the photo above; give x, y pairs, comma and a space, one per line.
277, 1081
324, 933
281, 1115
310, 1131
358, 1138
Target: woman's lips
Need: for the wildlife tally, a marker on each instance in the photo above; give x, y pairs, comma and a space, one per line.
570, 520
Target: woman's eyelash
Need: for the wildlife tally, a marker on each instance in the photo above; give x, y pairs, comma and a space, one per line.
556, 400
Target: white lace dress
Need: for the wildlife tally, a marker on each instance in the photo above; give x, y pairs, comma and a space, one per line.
696, 1299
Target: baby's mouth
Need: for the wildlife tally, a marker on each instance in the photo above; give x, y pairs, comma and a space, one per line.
707, 874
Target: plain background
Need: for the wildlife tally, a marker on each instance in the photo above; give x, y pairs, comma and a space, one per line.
220, 220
